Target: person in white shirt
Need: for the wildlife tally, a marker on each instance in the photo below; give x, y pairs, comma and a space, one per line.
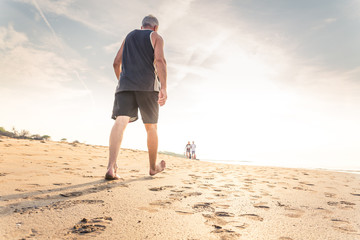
193, 148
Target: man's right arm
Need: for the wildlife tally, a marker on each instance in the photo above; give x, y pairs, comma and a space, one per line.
118, 61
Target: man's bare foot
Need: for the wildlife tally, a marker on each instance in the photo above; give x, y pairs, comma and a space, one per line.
111, 174
158, 168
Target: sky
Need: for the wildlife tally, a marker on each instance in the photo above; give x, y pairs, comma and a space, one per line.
264, 81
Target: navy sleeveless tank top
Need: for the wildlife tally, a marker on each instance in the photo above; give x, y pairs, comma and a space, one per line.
137, 69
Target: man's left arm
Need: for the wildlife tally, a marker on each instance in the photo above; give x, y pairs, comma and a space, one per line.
160, 64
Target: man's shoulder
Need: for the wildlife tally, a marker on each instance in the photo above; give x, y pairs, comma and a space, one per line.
156, 36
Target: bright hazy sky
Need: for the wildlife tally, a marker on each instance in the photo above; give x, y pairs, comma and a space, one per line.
261, 80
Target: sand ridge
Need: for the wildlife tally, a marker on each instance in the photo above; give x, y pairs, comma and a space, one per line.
57, 190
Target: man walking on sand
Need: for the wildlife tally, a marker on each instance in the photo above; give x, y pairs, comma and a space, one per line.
140, 67
187, 149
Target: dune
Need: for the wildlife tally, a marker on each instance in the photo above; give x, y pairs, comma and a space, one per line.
56, 190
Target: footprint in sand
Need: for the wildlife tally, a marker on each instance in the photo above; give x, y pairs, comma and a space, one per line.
20, 190
224, 206
228, 185
209, 178
333, 203
160, 203
323, 210
160, 188
205, 186
242, 226
220, 195
180, 196
185, 195
342, 226
305, 183
183, 212
59, 184
330, 195
252, 216
341, 204
177, 191
354, 194
203, 207
86, 226
285, 238
221, 230
279, 204
157, 189
188, 182
224, 214
294, 213
31, 235
255, 197
71, 194
194, 176
217, 190
151, 210
261, 205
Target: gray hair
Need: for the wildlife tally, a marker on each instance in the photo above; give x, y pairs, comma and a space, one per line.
150, 21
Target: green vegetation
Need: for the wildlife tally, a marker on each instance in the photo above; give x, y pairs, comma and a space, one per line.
46, 137
23, 134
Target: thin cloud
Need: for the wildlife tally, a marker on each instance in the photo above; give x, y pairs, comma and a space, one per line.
45, 20
57, 39
44, 69
330, 20
113, 47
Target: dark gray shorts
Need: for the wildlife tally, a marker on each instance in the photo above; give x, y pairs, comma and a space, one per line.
127, 103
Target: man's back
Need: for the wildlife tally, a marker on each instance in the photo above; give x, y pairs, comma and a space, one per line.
138, 71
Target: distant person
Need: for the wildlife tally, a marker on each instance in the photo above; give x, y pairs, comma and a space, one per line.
140, 68
193, 148
188, 149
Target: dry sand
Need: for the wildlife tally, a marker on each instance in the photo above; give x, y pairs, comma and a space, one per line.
56, 190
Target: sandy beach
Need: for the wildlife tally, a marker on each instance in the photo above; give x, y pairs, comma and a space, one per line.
56, 190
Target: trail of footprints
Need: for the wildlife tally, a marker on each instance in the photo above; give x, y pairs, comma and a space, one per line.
228, 224
224, 223
216, 214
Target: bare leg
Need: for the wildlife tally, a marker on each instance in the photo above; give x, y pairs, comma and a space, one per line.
152, 143
116, 137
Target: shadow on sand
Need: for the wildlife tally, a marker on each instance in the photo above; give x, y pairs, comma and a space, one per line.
36, 199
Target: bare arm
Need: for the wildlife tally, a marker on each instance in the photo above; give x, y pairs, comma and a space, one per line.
160, 64
118, 61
